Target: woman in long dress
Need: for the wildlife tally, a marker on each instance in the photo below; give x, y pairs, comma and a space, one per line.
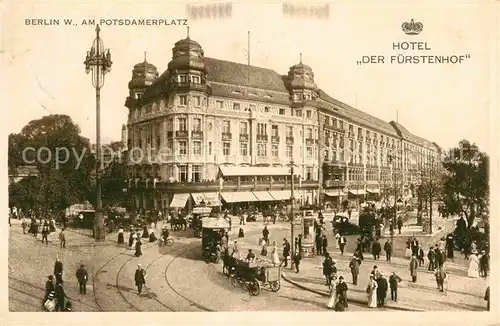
120, 236
371, 290
333, 295
474, 265
274, 254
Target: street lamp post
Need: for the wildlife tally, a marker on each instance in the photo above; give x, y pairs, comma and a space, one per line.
292, 199
98, 61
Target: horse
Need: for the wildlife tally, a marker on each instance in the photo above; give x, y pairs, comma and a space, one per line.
178, 224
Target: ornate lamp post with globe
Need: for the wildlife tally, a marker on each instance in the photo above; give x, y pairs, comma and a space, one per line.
98, 61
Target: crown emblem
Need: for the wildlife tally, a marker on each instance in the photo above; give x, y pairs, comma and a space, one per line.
412, 27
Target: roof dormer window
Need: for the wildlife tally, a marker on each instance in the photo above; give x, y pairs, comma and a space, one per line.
195, 79
182, 79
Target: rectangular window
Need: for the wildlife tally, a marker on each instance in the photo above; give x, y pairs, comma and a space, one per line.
289, 131
236, 106
182, 100
261, 129
226, 126
182, 78
197, 101
275, 151
289, 151
226, 148
335, 121
308, 114
195, 79
282, 111
360, 131
274, 131
170, 146
209, 148
158, 142
309, 133
182, 147
196, 124
170, 124
182, 124
197, 147
196, 173
261, 150
327, 121
298, 113
309, 173
243, 128
309, 151
244, 149
341, 124
266, 109
183, 173
219, 104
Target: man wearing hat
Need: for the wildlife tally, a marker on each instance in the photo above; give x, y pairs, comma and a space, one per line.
342, 295
483, 264
354, 266
140, 278
49, 287
82, 276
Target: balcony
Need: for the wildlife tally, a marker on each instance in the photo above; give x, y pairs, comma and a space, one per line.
181, 134
244, 137
226, 136
334, 128
262, 138
275, 139
334, 184
244, 160
187, 86
230, 159
276, 160
289, 140
197, 134
262, 160
311, 141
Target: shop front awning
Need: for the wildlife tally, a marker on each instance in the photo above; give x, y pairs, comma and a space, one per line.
282, 194
357, 192
263, 196
179, 200
335, 193
207, 198
373, 191
238, 197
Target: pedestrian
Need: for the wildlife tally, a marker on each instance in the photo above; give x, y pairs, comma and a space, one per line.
400, 224
132, 238
333, 295
337, 237
324, 243
299, 243
62, 239
382, 288
450, 246
394, 281
121, 240
274, 254
24, 224
474, 265
371, 291
60, 296
354, 266
138, 251
152, 236
145, 232
342, 244
408, 249
263, 252
487, 298
413, 268
82, 276
414, 246
375, 272
241, 233
242, 219
296, 260
319, 244
388, 250
341, 292
140, 278
236, 250
431, 256
483, 264
58, 270
265, 234
328, 269
376, 249
440, 275
420, 256
49, 287
286, 251
45, 233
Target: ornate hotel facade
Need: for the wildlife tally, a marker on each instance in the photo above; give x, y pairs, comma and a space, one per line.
206, 127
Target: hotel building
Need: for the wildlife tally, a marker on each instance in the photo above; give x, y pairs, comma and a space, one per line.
206, 126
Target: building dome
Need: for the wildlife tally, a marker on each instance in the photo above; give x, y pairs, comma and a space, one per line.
186, 55
301, 76
143, 75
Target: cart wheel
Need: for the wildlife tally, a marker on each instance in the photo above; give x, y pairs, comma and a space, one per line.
233, 280
275, 286
170, 242
206, 255
254, 287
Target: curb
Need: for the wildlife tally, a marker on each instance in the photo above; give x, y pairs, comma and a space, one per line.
300, 286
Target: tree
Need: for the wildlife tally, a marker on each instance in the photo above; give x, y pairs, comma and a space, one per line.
113, 181
466, 184
58, 184
430, 188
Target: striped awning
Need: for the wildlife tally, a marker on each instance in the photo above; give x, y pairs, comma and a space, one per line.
373, 191
282, 194
335, 193
208, 198
263, 196
179, 200
238, 197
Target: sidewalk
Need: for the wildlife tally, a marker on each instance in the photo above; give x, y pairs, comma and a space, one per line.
461, 292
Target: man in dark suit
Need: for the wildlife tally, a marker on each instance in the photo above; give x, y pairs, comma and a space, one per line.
140, 278
82, 276
354, 266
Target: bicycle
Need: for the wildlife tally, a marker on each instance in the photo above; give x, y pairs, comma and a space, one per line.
169, 242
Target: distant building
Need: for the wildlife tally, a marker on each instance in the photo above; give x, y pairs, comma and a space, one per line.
19, 173
212, 120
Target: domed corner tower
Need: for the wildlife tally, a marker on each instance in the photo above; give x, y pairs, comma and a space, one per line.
143, 76
187, 69
301, 83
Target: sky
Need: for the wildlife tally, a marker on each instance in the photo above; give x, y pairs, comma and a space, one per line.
445, 103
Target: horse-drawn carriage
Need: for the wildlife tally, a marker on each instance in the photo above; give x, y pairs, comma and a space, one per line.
252, 274
212, 232
198, 214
